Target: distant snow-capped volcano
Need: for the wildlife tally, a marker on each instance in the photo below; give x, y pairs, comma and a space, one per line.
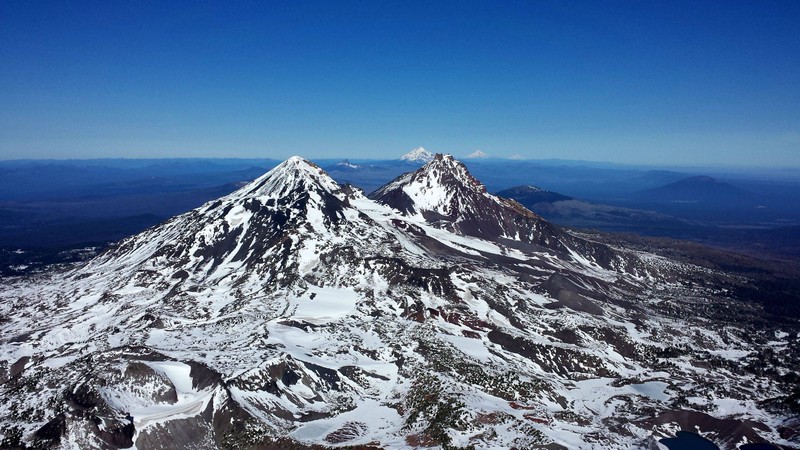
417, 155
347, 164
477, 154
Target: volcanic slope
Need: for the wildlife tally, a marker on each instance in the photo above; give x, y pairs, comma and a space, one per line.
297, 312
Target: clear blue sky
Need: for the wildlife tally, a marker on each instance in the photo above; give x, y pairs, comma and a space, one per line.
667, 82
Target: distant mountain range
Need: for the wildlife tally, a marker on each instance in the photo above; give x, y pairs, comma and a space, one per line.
695, 220
49, 208
297, 312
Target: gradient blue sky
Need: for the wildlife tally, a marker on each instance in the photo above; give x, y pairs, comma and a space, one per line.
643, 82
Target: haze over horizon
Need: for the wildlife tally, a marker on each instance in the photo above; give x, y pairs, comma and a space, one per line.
656, 83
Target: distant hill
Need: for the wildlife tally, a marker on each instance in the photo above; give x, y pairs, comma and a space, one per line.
569, 211
531, 195
696, 189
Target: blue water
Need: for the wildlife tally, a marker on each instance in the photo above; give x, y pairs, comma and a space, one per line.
685, 440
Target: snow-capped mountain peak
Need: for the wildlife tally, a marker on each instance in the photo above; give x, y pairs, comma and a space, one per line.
436, 187
445, 194
294, 174
417, 155
246, 233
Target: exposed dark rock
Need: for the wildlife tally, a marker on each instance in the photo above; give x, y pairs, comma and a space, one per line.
49, 435
18, 366
114, 432
202, 376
